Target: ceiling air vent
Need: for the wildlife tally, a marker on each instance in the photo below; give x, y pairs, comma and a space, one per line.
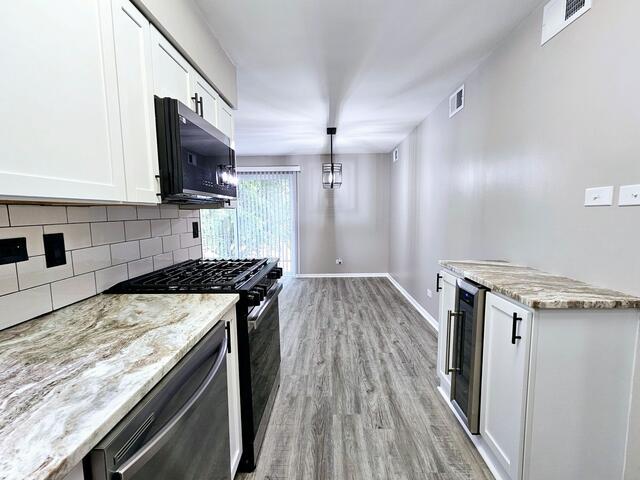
456, 102
559, 14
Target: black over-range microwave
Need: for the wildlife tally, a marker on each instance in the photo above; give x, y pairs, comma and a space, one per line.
197, 163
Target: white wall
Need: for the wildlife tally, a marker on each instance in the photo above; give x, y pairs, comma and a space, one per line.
183, 23
350, 222
505, 178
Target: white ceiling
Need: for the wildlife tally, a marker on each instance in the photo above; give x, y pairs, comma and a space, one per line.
373, 68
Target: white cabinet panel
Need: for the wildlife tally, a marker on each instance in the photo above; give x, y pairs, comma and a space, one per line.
132, 34
225, 119
233, 389
60, 119
171, 72
505, 371
209, 99
447, 284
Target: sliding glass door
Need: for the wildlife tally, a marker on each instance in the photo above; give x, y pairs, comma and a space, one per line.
264, 224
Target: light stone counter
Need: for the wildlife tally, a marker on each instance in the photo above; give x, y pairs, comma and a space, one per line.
67, 378
537, 289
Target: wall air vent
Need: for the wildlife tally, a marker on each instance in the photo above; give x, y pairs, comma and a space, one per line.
559, 14
456, 102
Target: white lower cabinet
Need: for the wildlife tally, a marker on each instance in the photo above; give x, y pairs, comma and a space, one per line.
447, 284
505, 367
233, 389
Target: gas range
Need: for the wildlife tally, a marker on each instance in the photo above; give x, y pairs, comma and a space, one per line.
252, 278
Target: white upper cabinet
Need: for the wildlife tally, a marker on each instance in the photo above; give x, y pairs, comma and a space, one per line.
59, 126
171, 72
208, 99
505, 369
225, 120
132, 35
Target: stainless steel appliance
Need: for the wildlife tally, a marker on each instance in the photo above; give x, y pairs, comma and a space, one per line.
197, 163
258, 333
465, 328
180, 429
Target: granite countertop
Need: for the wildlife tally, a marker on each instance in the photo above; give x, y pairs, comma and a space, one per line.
67, 378
537, 289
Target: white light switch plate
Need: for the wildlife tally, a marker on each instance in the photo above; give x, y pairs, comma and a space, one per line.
629, 195
598, 197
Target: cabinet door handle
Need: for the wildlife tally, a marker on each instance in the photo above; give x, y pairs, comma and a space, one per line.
198, 103
438, 278
228, 329
448, 368
514, 328
201, 107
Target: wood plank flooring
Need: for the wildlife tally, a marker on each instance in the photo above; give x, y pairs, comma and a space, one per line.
358, 395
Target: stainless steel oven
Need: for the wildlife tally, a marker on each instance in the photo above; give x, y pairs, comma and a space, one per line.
180, 430
465, 328
264, 352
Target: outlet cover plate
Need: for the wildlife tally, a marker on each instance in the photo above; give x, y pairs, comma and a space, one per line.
598, 197
629, 195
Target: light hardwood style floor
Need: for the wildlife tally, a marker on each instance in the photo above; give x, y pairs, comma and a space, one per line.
358, 395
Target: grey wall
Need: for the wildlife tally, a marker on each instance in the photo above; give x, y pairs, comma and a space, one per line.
184, 23
351, 222
505, 178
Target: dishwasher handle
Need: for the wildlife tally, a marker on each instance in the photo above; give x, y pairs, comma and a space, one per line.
146, 453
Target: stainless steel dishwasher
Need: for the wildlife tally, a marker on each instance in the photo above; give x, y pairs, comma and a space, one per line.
180, 430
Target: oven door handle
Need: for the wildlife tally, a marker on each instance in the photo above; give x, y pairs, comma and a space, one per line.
255, 319
448, 368
146, 453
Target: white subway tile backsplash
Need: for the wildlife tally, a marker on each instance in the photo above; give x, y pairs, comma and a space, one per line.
162, 261
160, 228
110, 276
90, 259
121, 213
125, 252
76, 235
187, 240
137, 229
107, 232
150, 247
140, 267
180, 255
195, 252
148, 213
169, 211
178, 225
74, 289
4, 216
35, 246
34, 272
86, 214
24, 305
105, 245
23, 215
8, 279
170, 243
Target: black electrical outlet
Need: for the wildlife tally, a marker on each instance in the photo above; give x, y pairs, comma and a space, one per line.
54, 253
196, 232
13, 250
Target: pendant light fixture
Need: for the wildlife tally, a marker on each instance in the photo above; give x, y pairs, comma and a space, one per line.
331, 172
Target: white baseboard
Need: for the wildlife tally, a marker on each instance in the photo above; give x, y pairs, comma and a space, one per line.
421, 310
341, 275
479, 443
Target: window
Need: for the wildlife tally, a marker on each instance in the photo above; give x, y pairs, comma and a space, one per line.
263, 224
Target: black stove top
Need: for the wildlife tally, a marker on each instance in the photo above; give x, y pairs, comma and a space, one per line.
199, 276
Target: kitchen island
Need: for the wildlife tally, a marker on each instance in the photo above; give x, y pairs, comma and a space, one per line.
67, 378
